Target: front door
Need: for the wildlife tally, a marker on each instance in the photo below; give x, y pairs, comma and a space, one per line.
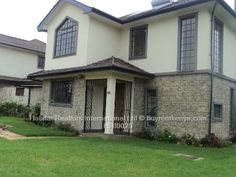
119, 108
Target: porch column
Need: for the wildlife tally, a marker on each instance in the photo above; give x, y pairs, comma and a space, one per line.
110, 105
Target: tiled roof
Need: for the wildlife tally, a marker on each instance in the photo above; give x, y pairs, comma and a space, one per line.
107, 64
18, 81
156, 11
33, 45
180, 4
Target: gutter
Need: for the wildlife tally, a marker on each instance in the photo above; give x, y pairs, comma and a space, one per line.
212, 66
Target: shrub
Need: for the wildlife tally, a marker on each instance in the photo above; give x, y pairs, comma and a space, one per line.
36, 110
211, 141
66, 127
45, 123
225, 143
168, 137
14, 109
233, 139
189, 140
151, 133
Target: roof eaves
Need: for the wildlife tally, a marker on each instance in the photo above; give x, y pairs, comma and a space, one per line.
24, 48
162, 11
106, 15
109, 67
85, 8
227, 7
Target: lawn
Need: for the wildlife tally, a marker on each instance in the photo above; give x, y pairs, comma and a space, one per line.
29, 129
94, 157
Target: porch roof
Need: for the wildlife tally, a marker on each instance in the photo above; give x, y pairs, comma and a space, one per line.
107, 64
18, 81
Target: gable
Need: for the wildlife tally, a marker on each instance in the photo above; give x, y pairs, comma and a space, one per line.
60, 4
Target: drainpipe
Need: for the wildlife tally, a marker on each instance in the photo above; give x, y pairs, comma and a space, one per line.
29, 96
212, 65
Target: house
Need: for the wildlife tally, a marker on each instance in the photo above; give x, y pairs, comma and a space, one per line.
18, 59
172, 66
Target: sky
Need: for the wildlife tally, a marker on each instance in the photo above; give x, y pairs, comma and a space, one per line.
20, 18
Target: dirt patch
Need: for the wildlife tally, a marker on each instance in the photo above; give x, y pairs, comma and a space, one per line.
9, 135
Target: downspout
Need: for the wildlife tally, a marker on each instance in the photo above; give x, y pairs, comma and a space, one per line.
212, 65
29, 97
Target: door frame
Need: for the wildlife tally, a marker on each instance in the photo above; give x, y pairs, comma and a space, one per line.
88, 125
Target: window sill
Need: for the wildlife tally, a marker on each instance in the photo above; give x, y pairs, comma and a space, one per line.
62, 56
217, 120
138, 58
64, 105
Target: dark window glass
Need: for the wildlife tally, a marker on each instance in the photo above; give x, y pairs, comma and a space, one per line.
61, 92
66, 38
151, 107
20, 91
188, 43
138, 42
41, 62
218, 46
218, 111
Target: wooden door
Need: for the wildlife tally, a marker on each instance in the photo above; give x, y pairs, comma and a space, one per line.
119, 108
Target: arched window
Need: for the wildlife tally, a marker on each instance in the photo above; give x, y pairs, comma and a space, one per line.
66, 38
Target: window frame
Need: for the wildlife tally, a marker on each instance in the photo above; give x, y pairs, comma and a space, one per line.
148, 123
55, 104
21, 93
40, 57
179, 62
131, 45
55, 39
219, 22
218, 119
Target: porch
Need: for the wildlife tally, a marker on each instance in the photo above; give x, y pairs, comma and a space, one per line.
98, 97
108, 105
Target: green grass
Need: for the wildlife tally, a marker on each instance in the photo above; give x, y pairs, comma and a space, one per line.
75, 157
29, 129
94, 157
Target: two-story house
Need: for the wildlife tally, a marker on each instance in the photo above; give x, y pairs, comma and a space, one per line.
19, 58
172, 66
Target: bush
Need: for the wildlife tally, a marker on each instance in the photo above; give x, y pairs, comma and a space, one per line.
233, 139
151, 133
189, 140
36, 110
225, 143
168, 137
14, 110
66, 127
212, 141
44, 123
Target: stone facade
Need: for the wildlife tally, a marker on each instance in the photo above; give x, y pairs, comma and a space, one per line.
138, 106
36, 96
188, 97
183, 103
222, 95
73, 114
8, 94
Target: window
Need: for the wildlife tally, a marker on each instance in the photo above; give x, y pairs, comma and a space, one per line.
61, 92
218, 111
138, 42
20, 91
151, 107
41, 62
66, 38
218, 46
188, 43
